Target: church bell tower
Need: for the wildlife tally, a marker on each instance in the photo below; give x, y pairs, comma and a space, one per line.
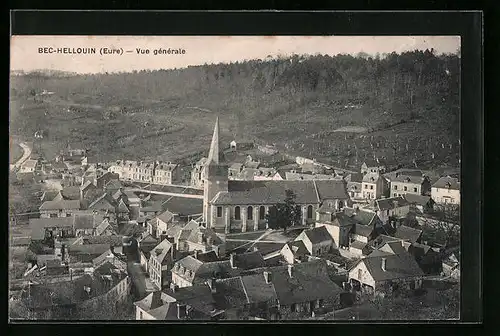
215, 176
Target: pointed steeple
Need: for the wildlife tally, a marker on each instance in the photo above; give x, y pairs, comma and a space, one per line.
214, 155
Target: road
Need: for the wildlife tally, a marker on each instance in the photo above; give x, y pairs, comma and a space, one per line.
26, 155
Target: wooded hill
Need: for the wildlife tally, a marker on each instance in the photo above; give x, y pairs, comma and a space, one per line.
405, 108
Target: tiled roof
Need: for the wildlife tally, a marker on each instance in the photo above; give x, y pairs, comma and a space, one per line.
363, 230
371, 177
408, 179
309, 282
165, 312
398, 266
161, 251
361, 216
374, 163
152, 301
122, 207
37, 224
357, 245
71, 193
318, 235
341, 219
417, 199
61, 205
297, 247
106, 202
92, 249
396, 247
390, 203
273, 192
165, 216
85, 221
114, 240
49, 195
184, 206
206, 232
447, 182
408, 233
303, 176
354, 177
105, 224
249, 260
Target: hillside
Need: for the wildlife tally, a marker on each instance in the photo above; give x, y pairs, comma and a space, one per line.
402, 107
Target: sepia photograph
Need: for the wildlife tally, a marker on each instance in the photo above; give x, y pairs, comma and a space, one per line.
234, 178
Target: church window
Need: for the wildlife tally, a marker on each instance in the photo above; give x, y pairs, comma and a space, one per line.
250, 213
219, 211
262, 212
309, 212
237, 213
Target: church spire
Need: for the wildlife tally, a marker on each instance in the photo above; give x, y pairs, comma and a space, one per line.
214, 155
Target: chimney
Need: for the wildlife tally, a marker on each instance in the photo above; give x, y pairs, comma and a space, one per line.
170, 239
200, 237
231, 260
173, 287
384, 260
181, 311
290, 271
173, 251
196, 254
268, 277
211, 284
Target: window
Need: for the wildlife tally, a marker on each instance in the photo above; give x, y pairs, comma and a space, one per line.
219, 211
405, 188
309, 211
341, 205
262, 212
293, 308
415, 189
366, 186
395, 195
250, 213
237, 213
395, 187
371, 187
140, 315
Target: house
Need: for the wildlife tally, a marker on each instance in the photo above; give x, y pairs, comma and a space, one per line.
419, 203
241, 145
266, 174
428, 258
166, 173
451, 266
105, 205
197, 174
383, 272
150, 209
160, 262
317, 241
78, 254
294, 252
183, 209
355, 185
86, 224
235, 170
394, 207
415, 183
59, 208
104, 228
29, 166
112, 186
122, 211
275, 291
104, 179
446, 190
105, 285
373, 166
374, 186
146, 245
338, 225
198, 238
156, 306
364, 217
360, 236
409, 234
191, 271
86, 189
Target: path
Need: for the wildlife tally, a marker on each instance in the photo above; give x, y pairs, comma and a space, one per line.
165, 193
26, 155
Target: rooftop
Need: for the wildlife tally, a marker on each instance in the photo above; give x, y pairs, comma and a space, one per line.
390, 203
61, 205
447, 182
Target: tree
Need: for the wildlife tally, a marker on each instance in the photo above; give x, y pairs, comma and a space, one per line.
444, 224
286, 214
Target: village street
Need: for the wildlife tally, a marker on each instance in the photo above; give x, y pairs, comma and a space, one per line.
26, 155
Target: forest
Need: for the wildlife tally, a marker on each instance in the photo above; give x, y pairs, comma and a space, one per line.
403, 108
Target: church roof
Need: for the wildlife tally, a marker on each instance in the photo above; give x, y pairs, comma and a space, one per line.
215, 155
272, 192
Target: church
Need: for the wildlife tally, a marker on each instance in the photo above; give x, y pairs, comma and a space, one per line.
240, 206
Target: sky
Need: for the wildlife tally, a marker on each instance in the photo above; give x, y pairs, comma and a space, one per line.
199, 50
